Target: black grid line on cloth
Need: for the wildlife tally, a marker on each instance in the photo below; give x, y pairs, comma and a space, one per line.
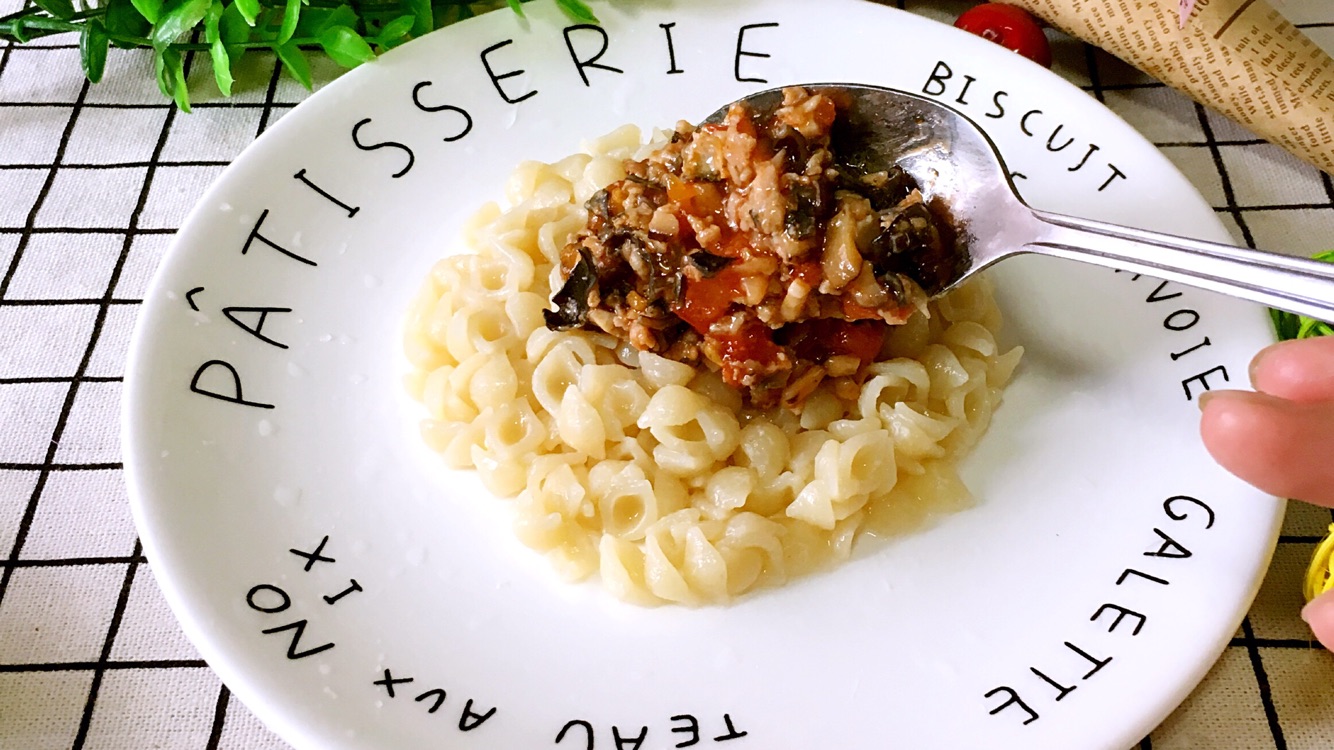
269, 95
63, 302
219, 718
1262, 682
99, 670
228, 104
119, 165
1229, 196
54, 466
137, 231
73, 562
1094, 74
25, 233
30, 510
59, 379
107, 666
1328, 184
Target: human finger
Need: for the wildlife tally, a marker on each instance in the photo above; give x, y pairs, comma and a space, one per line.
1300, 370
1280, 446
1319, 614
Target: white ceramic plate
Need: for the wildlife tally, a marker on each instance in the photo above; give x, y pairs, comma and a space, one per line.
1102, 571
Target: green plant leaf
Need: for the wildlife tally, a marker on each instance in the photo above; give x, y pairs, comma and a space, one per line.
517, 7
217, 51
345, 46
170, 69
393, 32
291, 15
122, 19
423, 20
93, 49
295, 63
149, 9
1290, 326
249, 10
61, 9
577, 10
177, 20
343, 15
233, 28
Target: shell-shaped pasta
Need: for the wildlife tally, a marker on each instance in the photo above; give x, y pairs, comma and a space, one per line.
649, 471
452, 440
600, 172
580, 425
858, 466
619, 143
753, 548
660, 372
665, 558
616, 394
915, 434
501, 478
704, 567
894, 381
968, 337
621, 567
494, 384
814, 505
484, 328
512, 429
763, 447
553, 376
822, 407
681, 419
727, 490
553, 236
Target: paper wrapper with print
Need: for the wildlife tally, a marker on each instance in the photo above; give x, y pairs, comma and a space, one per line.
1240, 57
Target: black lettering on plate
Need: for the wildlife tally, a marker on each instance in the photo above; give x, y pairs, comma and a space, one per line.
741, 52
351, 210
583, 65
356, 140
255, 235
235, 397
467, 118
299, 629
496, 78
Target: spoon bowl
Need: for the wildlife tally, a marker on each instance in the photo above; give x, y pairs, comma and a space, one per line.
959, 169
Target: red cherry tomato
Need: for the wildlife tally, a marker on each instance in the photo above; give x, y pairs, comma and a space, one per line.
1010, 27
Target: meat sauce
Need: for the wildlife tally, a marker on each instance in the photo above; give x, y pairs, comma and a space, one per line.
745, 246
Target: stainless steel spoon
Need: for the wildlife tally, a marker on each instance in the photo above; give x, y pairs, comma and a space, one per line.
954, 160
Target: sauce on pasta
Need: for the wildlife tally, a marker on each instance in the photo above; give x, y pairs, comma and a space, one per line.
746, 246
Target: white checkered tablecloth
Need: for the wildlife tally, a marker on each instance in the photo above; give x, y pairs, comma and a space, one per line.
93, 182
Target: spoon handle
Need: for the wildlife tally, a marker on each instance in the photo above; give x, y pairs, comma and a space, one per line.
1297, 285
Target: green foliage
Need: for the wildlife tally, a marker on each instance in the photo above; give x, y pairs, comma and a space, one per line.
348, 32
93, 49
1290, 326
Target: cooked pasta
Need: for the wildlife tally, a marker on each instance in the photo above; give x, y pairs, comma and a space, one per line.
654, 475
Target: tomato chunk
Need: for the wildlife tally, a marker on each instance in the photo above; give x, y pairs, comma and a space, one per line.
818, 340
707, 300
753, 343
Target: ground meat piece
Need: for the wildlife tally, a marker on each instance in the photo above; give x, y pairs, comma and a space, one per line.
745, 246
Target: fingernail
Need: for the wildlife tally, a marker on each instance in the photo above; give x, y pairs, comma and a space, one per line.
1257, 359
1306, 612
1204, 399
